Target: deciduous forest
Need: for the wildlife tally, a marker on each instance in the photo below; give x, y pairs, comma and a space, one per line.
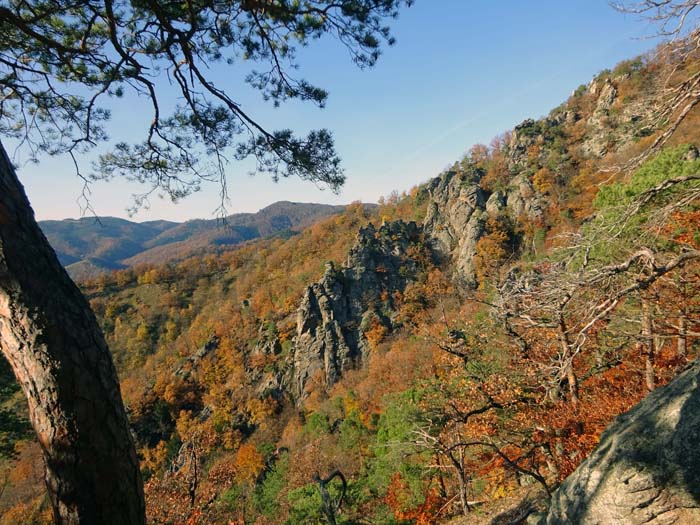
451, 355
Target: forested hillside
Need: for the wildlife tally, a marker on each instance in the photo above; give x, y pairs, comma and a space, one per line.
457, 348
90, 246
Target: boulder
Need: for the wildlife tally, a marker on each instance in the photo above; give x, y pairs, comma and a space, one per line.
646, 467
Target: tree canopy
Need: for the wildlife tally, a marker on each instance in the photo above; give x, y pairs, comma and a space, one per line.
60, 62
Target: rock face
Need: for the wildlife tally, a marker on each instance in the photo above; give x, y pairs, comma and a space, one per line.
459, 208
269, 379
614, 123
191, 363
523, 200
345, 303
597, 144
646, 468
456, 218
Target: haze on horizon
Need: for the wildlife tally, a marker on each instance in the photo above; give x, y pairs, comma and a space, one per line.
457, 76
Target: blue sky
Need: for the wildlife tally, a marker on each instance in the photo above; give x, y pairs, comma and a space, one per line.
461, 72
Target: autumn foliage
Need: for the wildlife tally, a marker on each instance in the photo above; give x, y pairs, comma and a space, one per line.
464, 398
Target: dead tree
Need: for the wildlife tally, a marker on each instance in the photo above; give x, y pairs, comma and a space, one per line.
186, 466
452, 446
544, 299
329, 507
678, 22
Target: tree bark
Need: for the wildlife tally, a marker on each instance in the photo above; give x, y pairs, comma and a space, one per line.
441, 478
462, 478
648, 345
59, 356
682, 342
329, 508
572, 380
463, 500
567, 356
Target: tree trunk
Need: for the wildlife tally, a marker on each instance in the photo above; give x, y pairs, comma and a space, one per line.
59, 356
329, 508
572, 380
682, 342
458, 463
568, 357
441, 478
648, 346
464, 503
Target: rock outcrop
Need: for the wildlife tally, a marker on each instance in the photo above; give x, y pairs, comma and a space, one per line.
596, 144
190, 364
614, 122
264, 369
646, 468
458, 209
345, 303
456, 218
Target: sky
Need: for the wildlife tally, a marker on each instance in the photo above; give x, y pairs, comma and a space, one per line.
461, 72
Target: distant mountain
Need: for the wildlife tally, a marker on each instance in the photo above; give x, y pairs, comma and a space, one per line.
90, 246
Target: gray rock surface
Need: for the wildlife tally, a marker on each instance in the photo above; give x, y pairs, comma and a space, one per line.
646, 468
523, 200
336, 311
496, 203
458, 209
455, 220
614, 123
190, 364
269, 380
597, 143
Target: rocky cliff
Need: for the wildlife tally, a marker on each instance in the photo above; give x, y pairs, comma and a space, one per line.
456, 218
646, 468
459, 208
337, 311
537, 157
345, 303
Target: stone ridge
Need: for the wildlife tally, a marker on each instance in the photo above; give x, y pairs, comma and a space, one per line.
337, 311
